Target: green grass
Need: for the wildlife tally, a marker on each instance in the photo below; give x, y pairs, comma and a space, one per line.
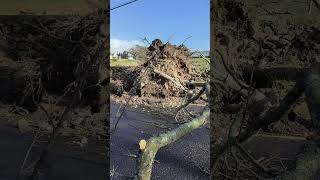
198, 64
52, 7
124, 63
195, 64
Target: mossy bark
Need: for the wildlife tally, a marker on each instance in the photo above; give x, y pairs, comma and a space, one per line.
149, 152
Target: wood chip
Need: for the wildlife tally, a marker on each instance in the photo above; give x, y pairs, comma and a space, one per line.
142, 144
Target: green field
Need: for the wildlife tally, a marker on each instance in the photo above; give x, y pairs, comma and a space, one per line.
198, 64
124, 63
52, 7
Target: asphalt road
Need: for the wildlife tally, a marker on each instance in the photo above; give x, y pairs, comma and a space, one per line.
185, 159
64, 162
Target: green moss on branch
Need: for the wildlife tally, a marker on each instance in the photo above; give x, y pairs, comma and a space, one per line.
149, 151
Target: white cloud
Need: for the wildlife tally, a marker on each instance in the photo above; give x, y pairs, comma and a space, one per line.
118, 45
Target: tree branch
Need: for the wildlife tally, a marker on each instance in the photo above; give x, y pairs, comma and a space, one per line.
150, 147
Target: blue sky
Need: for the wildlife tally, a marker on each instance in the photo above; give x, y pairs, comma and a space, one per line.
161, 19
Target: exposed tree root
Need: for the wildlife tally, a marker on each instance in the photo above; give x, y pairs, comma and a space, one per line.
309, 163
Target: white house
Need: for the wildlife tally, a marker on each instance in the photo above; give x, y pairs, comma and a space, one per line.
127, 55
123, 55
130, 56
114, 56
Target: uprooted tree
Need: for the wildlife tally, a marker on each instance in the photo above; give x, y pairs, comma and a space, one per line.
164, 74
255, 88
55, 67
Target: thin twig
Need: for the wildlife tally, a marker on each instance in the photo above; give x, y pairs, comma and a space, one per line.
35, 138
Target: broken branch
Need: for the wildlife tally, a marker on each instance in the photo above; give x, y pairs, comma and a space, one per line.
150, 147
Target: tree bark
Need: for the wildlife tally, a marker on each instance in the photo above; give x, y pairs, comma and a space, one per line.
313, 95
150, 147
308, 165
310, 85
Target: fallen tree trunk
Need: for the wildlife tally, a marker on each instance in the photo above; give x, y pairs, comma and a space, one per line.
313, 95
150, 147
308, 164
276, 73
310, 85
177, 83
274, 115
223, 75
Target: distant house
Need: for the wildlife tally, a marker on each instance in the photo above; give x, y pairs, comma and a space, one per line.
123, 55
131, 56
118, 56
127, 55
115, 56
199, 54
111, 56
